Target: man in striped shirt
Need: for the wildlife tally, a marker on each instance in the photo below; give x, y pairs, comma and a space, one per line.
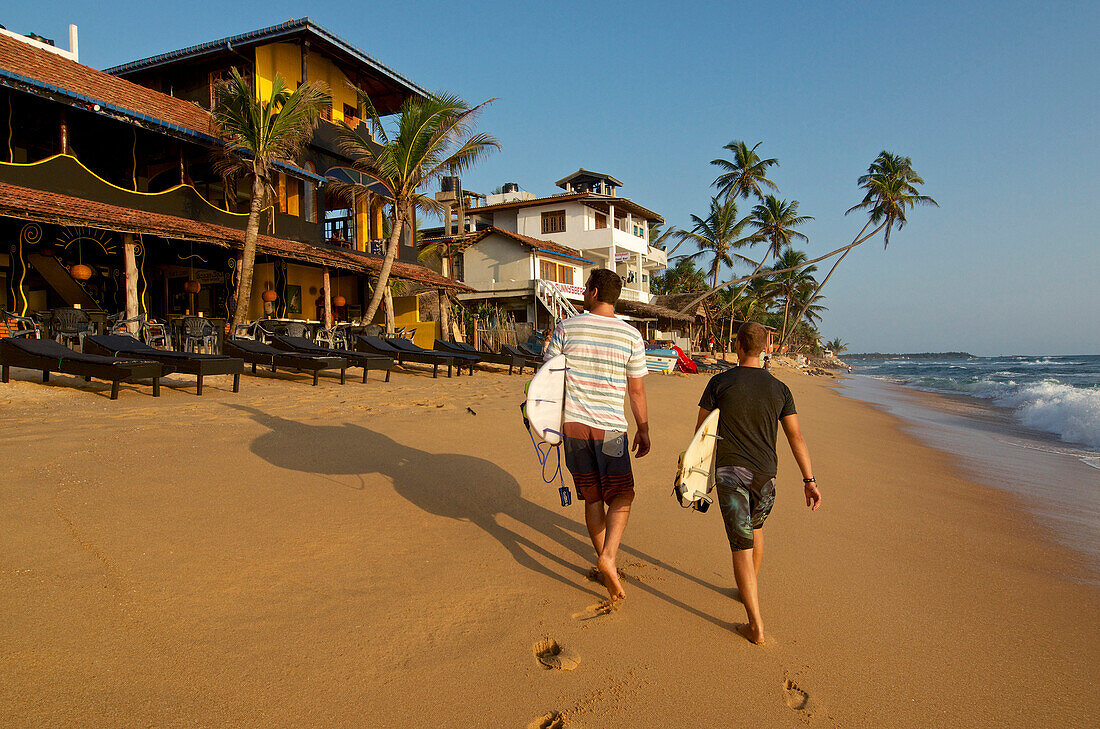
605, 361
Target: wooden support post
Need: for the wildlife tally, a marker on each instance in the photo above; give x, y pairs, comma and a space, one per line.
327, 293
444, 316
387, 300
129, 266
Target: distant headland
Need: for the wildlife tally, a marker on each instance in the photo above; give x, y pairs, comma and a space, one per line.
910, 355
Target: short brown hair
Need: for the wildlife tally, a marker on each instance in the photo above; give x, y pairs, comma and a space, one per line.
752, 338
606, 283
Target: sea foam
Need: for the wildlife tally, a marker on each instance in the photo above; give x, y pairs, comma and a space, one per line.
1071, 413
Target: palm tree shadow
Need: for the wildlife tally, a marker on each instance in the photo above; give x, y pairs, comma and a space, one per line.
450, 485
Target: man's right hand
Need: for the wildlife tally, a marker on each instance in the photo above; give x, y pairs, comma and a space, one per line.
813, 496
641, 443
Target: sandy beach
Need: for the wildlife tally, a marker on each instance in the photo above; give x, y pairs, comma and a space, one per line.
387, 555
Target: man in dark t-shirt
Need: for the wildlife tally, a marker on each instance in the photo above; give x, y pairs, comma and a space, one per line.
751, 404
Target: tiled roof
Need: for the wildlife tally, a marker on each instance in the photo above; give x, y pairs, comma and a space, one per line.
48, 68
463, 241
47, 207
655, 311
43, 73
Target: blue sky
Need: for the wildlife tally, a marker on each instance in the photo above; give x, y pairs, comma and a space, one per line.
995, 102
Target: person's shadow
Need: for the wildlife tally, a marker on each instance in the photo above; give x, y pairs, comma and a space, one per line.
450, 485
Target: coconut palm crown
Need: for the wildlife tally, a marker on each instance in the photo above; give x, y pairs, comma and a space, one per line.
255, 133
719, 235
891, 189
432, 136
745, 174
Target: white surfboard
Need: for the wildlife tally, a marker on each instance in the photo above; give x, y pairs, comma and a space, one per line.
695, 475
546, 400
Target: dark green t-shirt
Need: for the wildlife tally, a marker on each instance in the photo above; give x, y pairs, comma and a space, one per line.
751, 402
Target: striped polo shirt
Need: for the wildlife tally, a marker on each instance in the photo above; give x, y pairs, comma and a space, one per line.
601, 353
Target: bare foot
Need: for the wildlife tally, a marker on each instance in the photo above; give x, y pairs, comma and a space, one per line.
610, 578
751, 634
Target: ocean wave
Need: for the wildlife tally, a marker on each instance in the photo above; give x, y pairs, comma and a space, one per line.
1071, 413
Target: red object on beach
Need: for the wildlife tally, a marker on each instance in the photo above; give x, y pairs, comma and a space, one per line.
684, 362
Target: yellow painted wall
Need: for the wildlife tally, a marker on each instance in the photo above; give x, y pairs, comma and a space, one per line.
406, 314
285, 59
309, 279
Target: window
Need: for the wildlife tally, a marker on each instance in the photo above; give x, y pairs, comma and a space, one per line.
565, 274
351, 116
553, 221
548, 270
601, 221
217, 77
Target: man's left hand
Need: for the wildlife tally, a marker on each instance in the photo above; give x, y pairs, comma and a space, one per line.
813, 496
641, 444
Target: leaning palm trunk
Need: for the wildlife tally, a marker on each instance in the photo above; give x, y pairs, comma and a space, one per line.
384, 272
786, 311
248, 256
387, 305
861, 238
748, 280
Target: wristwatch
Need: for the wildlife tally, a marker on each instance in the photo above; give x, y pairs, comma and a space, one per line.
809, 480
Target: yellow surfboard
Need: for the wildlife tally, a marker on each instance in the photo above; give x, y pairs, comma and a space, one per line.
695, 473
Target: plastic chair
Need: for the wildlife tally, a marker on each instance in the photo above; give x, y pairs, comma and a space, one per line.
70, 325
198, 335
21, 327
156, 334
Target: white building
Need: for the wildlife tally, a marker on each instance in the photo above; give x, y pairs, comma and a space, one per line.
513, 245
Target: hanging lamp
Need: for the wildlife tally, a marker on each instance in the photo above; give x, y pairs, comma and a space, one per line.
80, 272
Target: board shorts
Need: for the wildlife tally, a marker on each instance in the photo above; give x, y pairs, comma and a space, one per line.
597, 475
746, 499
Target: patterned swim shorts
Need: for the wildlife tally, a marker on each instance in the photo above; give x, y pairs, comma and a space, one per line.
601, 471
746, 500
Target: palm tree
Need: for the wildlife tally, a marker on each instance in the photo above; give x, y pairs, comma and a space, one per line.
682, 277
891, 185
790, 283
255, 133
745, 174
432, 136
718, 235
891, 190
836, 346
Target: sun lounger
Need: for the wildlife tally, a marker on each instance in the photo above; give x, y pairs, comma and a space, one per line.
533, 361
301, 345
529, 352
385, 347
504, 358
460, 359
264, 355
50, 356
200, 365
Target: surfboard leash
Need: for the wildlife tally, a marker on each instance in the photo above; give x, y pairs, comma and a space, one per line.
544, 458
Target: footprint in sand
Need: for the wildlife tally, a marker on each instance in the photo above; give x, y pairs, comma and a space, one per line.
550, 655
598, 610
553, 720
796, 698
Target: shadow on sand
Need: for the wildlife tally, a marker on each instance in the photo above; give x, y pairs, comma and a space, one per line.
450, 485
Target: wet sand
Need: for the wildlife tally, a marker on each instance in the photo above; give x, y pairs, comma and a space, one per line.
378, 555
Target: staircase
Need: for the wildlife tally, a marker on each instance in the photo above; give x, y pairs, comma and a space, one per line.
554, 301
61, 281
